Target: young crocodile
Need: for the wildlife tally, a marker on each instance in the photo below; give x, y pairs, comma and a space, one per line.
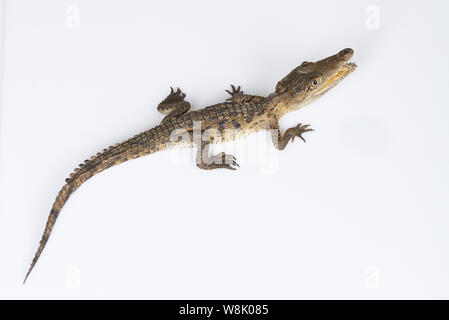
243, 113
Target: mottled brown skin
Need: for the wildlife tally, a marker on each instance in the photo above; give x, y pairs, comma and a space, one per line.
242, 113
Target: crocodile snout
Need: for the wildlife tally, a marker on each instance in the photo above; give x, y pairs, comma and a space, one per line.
346, 54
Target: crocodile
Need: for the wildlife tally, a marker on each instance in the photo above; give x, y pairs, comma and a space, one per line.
236, 117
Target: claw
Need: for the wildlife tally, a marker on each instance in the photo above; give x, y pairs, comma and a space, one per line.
226, 160
234, 91
299, 130
299, 136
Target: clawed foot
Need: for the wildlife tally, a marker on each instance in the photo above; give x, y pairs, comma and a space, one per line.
226, 161
174, 105
234, 92
221, 160
298, 131
175, 96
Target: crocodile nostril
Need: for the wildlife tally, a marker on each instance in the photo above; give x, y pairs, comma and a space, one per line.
347, 53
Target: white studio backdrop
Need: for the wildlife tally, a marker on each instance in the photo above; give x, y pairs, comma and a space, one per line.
359, 211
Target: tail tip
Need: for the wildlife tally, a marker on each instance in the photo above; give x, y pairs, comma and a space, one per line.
26, 277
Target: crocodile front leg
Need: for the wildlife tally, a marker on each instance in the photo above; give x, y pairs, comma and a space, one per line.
206, 162
281, 140
174, 105
237, 96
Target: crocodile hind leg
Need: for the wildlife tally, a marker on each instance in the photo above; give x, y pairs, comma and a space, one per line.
174, 105
207, 162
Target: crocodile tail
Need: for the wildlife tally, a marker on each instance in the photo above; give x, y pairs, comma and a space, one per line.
110, 157
61, 199
106, 159
96, 164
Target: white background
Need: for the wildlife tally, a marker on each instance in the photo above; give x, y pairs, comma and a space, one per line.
359, 211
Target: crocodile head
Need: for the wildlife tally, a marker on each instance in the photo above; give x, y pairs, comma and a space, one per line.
311, 80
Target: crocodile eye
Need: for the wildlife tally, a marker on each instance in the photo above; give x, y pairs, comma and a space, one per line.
315, 83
